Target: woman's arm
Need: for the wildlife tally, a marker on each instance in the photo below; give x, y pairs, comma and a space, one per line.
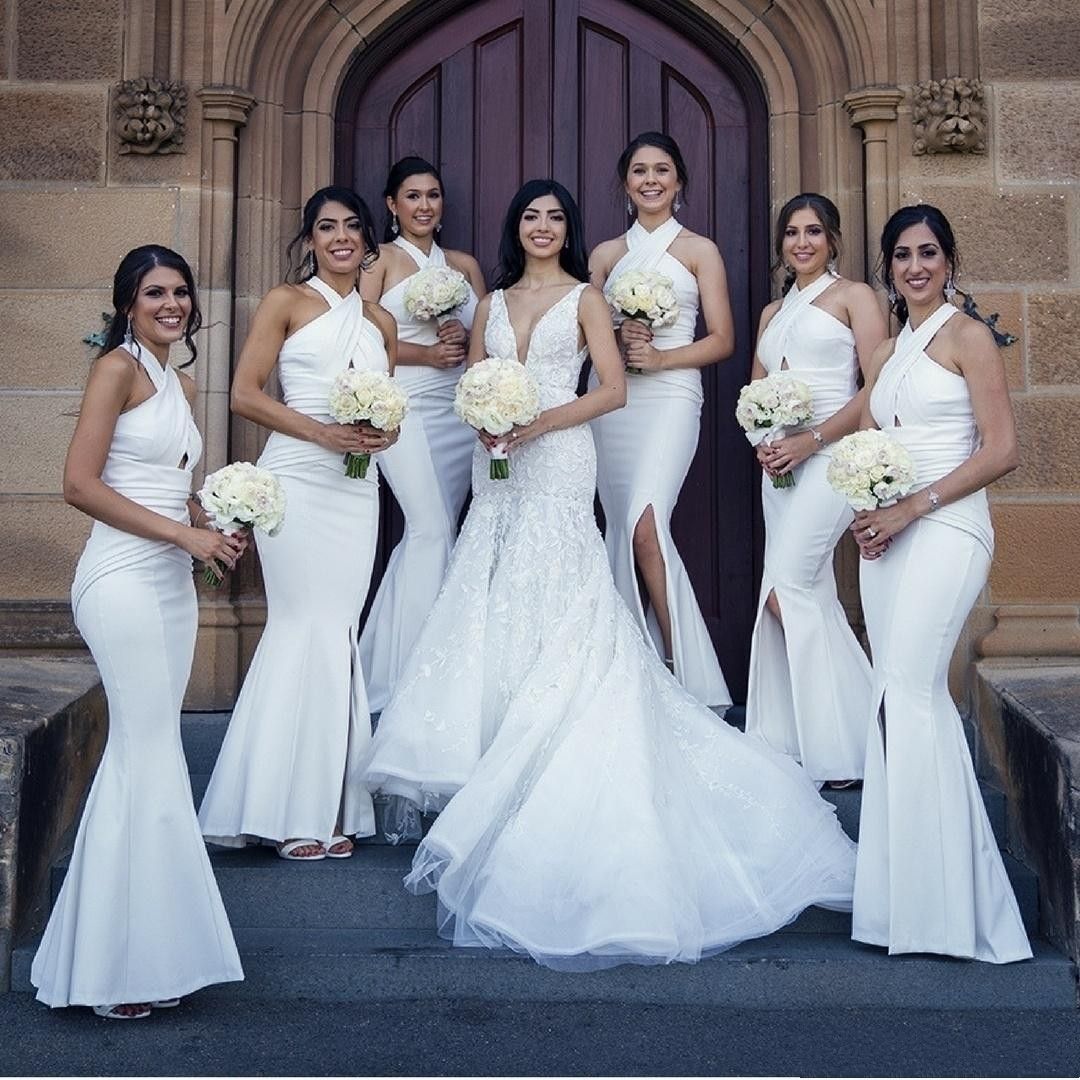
719, 340
250, 400
477, 348
108, 393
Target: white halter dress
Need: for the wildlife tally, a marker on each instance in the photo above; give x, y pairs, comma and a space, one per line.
301, 721
428, 472
810, 684
929, 876
593, 813
139, 917
644, 452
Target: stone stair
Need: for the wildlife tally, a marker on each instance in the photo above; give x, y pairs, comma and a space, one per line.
346, 930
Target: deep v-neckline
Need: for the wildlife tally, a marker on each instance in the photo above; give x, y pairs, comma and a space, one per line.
536, 325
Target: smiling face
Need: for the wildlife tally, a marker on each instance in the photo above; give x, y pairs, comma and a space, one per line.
161, 309
652, 181
542, 228
337, 239
418, 205
805, 246
919, 266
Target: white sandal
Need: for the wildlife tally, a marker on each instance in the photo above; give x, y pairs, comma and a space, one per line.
109, 1012
285, 850
339, 839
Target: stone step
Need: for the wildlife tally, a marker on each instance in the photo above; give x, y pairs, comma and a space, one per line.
203, 732
365, 892
780, 971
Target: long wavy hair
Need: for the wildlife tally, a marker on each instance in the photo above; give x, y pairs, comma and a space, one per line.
824, 209
308, 266
572, 258
400, 171
134, 266
904, 218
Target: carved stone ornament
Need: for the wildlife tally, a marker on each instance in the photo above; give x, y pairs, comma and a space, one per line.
949, 117
148, 116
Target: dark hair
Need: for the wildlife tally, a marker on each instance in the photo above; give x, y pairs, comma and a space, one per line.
134, 266
308, 266
659, 141
400, 171
904, 218
824, 209
572, 258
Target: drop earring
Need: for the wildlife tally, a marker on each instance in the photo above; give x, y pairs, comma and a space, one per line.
676, 206
891, 293
629, 207
831, 266
950, 289
308, 266
394, 227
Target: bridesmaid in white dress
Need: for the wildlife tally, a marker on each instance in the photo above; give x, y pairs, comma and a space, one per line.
139, 921
428, 468
930, 876
286, 771
593, 813
645, 450
809, 689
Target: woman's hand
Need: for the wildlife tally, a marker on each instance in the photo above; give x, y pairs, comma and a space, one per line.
217, 550
446, 354
641, 356
354, 438
633, 330
784, 454
515, 437
874, 529
452, 332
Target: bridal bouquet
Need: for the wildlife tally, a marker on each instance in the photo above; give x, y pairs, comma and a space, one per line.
435, 292
767, 407
370, 396
241, 496
494, 396
870, 469
646, 295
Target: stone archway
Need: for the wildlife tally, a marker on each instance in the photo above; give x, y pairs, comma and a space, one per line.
268, 121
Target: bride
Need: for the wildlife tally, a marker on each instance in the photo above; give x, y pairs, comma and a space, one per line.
593, 813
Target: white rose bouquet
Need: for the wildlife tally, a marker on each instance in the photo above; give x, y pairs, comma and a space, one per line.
870, 469
433, 293
370, 396
494, 396
241, 496
645, 294
767, 407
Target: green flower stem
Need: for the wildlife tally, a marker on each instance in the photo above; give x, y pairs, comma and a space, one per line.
356, 465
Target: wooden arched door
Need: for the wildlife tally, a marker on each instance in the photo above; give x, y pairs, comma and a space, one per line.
499, 91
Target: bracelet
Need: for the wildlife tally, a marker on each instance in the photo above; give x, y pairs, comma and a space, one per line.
201, 514
934, 499
817, 437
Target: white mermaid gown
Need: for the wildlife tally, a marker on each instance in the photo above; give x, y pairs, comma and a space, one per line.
139, 917
644, 452
301, 720
810, 684
593, 813
930, 876
428, 471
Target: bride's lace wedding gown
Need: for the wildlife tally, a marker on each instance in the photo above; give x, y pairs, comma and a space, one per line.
599, 814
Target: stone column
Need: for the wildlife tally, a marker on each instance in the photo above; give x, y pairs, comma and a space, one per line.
225, 109
874, 110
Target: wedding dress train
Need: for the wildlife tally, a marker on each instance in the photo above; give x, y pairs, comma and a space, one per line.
593, 812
